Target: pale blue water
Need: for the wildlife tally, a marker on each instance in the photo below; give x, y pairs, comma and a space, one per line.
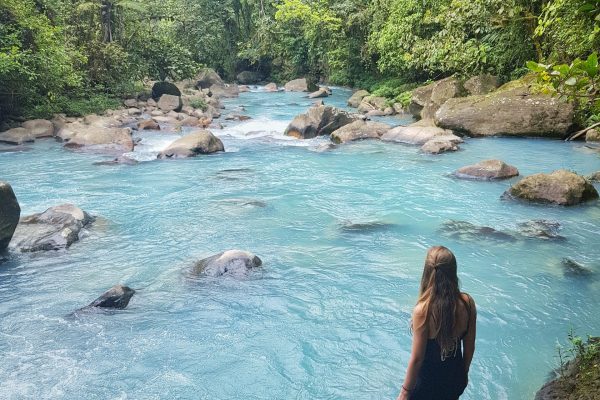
327, 316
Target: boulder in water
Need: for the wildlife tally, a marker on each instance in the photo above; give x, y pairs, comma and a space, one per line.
359, 130
357, 98
507, 113
300, 85
487, 170
574, 269
592, 136
16, 136
200, 142
9, 214
231, 262
39, 128
225, 91
271, 87
161, 88
560, 187
365, 227
418, 134
117, 297
426, 100
97, 139
439, 145
322, 92
148, 124
54, 229
318, 121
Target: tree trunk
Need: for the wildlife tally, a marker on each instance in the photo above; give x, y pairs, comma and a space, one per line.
106, 20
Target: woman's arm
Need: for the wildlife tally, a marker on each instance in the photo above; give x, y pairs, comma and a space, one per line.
419, 344
469, 340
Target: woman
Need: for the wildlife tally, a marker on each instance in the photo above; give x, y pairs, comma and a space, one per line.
443, 321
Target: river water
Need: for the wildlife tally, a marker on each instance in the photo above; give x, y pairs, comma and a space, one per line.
327, 316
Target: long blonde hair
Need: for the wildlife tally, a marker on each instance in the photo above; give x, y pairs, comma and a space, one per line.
439, 295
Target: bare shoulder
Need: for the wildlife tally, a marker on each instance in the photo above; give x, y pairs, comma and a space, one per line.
469, 300
419, 311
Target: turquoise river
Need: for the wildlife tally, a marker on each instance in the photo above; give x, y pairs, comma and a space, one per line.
327, 316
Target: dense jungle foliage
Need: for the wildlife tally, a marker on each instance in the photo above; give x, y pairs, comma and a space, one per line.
76, 56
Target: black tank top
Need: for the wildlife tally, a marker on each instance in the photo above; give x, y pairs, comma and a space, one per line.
442, 378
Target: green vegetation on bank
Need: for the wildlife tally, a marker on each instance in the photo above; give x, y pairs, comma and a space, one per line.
88, 52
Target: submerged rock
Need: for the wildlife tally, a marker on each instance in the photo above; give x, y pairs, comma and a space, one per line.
365, 227
117, 297
9, 214
507, 113
560, 187
463, 230
200, 142
54, 229
359, 130
541, 229
118, 161
318, 121
574, 269
487, 170
231, 262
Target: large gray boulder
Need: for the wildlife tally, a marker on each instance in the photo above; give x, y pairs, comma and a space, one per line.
560, 187
300, 85
208, 77
9, 214
481, 84
487, 170
200, 142
317, 121
439, 145
98, 139
507, 113
357, 98
359, 130
16, 136
39, 128
231, 262
169, 103
426, 100
249, 77
225, 91
55, 229
418, 134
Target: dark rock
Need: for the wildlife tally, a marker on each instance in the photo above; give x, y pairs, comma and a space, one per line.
117, 297
200, 142
487, 170
317, 121
249, 77
231, 262
54, 229
208, 77
9, 214
463, 230
541, 229
507, 113
574, 269
246, 203
161, 88
560, 187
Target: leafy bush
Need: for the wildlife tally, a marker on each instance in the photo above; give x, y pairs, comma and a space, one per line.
199, 104
76, 106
